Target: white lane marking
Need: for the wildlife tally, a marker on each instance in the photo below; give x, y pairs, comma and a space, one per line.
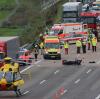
26, 69
89, 71
25, 92
38, 62
77, 81
57, 71
38, 65
64, 92
29, 67
98, 97
42, 81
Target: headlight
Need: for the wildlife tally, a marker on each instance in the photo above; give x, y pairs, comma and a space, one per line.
46, 52
58, 52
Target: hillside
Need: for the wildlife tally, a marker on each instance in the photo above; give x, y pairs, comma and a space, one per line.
29, 20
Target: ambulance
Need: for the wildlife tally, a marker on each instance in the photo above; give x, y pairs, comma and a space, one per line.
51, 47
74, 31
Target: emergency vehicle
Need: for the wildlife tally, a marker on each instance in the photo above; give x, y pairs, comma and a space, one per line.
11, 81
56, 29
74, 31
52, 47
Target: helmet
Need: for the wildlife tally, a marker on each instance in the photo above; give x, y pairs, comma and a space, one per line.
7, 58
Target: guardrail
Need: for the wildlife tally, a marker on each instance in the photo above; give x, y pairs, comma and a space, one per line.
48, 4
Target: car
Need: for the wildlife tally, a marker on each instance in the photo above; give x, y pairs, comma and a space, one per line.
11, 81
24, 58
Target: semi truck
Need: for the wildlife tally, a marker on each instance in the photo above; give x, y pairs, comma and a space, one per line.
51, 47
9, 46
71, 12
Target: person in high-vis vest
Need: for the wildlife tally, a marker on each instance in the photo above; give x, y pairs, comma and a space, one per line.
89, 43
78, 45
84, 46
94, 43
66, 46
41, 46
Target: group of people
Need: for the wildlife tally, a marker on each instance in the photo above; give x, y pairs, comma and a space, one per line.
82, 43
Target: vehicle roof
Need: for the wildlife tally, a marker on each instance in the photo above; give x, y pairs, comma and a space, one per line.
7, 38
71, 4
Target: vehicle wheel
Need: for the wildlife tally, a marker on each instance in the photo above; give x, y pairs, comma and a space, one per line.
44, 57
59, 57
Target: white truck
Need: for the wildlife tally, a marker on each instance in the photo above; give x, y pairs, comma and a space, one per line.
71, 12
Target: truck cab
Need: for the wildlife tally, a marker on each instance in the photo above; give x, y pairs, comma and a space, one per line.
52, 47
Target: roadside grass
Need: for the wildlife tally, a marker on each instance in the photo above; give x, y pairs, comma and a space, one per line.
7, 2
10, 31
3, 14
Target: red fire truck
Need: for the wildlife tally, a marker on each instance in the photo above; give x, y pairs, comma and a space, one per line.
90, 18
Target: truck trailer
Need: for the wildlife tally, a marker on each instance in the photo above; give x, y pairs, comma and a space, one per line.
9, 46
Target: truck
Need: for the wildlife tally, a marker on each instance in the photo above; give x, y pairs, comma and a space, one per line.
9, 46
51, 47
71, 12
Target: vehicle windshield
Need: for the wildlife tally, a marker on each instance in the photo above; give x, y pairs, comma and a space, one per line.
69, 14
9, 77
21, 53
56, 32
1, 55
1, 74
52, 45
89, 20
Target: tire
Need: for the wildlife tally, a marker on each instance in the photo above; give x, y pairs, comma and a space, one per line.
59, 57
44, 57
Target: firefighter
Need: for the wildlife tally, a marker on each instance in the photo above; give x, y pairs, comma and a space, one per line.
78, 45
94, 43
66, 46
84, 46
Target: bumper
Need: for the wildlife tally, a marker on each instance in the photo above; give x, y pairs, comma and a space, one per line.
52, 56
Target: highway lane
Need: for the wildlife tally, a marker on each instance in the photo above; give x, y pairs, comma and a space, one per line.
48, 78
85, 87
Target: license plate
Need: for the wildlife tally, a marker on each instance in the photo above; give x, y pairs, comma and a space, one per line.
52, 56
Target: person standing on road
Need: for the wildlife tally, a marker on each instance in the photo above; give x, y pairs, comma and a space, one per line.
35, 54
66, 46
89, 43
78, 45
84, 46
94, 43
42, 47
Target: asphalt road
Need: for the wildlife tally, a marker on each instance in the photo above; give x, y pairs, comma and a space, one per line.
49, 79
